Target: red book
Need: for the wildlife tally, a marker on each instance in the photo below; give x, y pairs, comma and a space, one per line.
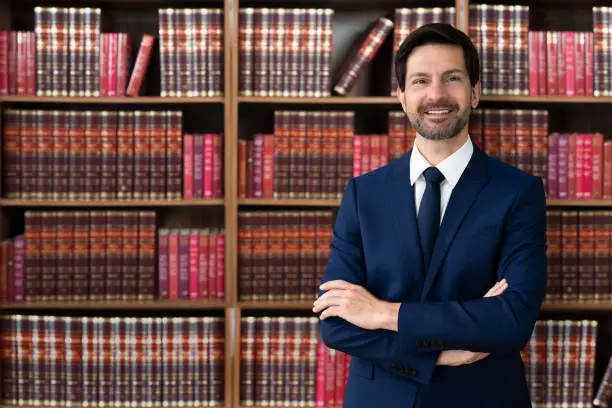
587, 169
104, 56
221, 264
212, 265
579, 166
123, 54
357, 155
162, 262
561, 63
552, 40
588, 68
607, 170
4, 57
534, 68
194, 264
321, 373
268, 166
208, 165
580, 60
140, 66
217, 178
203, 267
570, 61
30, 63
188, 191
173, 262
597, 167
242, 169
542, 63
12, 63
113, 44
22, 65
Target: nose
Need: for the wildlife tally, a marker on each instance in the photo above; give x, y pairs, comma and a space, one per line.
436, 90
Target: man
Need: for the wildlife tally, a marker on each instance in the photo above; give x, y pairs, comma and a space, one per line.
438, 263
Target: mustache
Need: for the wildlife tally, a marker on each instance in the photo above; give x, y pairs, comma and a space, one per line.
439, 105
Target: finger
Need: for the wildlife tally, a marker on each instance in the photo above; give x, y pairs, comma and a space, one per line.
333, 311
335, 284
330, 301
331, 293
491, 291
499, 289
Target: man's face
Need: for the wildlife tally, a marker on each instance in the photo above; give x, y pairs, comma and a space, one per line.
438, 97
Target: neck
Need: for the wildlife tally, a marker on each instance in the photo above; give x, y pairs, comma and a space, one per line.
434, 151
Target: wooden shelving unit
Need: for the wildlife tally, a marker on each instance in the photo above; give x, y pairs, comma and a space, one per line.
239, 117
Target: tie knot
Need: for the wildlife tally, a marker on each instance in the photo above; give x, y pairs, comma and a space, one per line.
433, 175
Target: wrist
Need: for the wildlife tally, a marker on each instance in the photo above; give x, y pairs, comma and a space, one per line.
391, 316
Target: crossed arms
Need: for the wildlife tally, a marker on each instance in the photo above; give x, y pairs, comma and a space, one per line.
422, 335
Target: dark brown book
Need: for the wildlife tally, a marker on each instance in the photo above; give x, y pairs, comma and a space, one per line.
125, 155
147, 287
114, 251
97, 255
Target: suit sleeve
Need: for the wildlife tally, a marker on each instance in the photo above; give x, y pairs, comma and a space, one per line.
380, 347
496, 324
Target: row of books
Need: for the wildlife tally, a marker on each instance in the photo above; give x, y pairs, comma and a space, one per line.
560, 363
579, 244
102, 154
285, 52
108, 361
191, 52
116, 64
308, 156
500, 34
282, 254
561, 63
82, 255
191, 263
313, 154
283, 363
276, 352
202, 165
579, 166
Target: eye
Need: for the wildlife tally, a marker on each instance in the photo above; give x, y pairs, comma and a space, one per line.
454, 78
418, 81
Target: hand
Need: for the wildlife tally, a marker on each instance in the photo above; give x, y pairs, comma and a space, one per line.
460, 357
354, 304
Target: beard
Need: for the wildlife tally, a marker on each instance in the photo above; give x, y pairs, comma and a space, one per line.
439, 131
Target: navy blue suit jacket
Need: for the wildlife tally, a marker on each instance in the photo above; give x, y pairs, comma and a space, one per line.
494, 227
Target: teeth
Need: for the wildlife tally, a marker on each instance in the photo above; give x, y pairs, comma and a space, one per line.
438, 111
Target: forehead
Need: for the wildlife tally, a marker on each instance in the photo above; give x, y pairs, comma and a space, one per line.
432, 58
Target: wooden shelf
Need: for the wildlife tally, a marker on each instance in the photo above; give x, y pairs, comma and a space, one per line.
579, 203
546, 307
577, 306
290, 202
111, 99
547, 99
118, 305
358, 100
259, 305
336, 203
391, 100
110, 203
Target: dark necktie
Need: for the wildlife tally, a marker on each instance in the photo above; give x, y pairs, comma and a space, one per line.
429, 213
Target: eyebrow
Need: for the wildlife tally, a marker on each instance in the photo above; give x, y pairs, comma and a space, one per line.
450, 71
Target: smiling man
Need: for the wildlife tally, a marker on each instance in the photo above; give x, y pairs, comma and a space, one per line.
438, 263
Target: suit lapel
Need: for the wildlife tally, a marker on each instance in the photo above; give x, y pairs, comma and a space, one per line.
404, 211
463, 196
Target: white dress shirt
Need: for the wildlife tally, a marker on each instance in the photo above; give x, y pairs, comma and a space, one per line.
452, 168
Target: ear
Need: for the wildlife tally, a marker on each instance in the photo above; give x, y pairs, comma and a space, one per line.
476, 93
402, 97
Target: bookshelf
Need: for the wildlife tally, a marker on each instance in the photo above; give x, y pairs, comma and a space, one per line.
238, 117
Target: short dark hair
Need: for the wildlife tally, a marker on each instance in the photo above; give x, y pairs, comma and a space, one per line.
437, 33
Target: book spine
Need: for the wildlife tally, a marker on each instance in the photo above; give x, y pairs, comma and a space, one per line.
123, 54
198, 168
114, 247
113, 45
368, 49
146, 255
194, 264
140, 67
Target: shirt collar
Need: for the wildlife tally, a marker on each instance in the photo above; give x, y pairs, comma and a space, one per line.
452, 167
